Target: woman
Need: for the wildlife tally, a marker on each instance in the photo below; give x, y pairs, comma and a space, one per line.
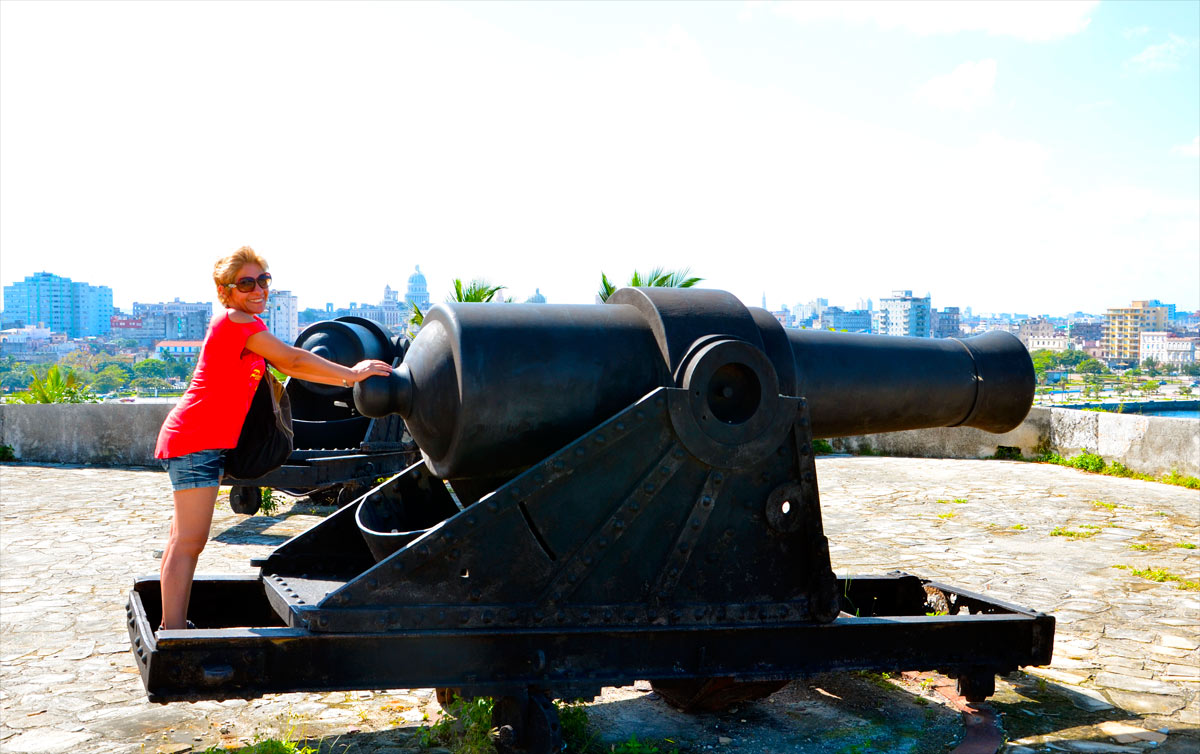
209, 417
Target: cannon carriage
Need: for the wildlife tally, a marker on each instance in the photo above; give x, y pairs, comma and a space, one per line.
635, 497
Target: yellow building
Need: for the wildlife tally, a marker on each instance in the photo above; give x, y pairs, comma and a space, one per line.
1123, 330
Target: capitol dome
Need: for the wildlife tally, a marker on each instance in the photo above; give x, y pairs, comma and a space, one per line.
417, 291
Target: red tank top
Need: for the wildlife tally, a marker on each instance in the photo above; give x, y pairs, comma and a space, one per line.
209, 416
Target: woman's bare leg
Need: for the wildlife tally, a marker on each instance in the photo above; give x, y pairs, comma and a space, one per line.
189, 534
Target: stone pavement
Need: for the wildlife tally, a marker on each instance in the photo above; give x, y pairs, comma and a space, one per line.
72, 540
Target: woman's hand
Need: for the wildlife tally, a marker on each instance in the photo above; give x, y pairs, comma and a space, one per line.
369, 368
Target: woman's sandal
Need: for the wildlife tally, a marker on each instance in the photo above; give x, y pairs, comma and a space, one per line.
190, 626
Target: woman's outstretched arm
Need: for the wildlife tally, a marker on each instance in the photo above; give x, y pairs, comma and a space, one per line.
304, 365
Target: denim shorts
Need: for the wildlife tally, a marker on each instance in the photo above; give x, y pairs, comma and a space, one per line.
201, 469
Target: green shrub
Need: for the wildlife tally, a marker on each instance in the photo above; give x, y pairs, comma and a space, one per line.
265, 746
6, 453
1181, 480
821, 447
1088, 462
464, 729
573, 719
269, 502
634, 746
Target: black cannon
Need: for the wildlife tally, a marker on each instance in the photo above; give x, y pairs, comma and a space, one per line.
339, 453
609, 493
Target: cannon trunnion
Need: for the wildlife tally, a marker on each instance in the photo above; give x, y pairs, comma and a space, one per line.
635, 498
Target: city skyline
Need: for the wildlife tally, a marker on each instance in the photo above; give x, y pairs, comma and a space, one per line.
1009, 157
369, 300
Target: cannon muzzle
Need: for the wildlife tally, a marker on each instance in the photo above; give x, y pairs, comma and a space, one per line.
488, 389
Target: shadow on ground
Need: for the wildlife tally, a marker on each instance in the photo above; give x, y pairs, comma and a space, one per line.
836, 713
1041, 715
828, 714
275, 529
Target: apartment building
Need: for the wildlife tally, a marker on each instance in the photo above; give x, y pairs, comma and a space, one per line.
58, 303
902, 314
1124, 326
283, 316
947, 323
835, 318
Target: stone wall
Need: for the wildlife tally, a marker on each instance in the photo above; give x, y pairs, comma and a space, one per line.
99, 434
1148, 444
123, 434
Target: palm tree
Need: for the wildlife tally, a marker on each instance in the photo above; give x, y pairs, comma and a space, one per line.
656, 278
478, 291
55, 387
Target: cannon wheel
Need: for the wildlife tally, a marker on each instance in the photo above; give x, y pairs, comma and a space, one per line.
446, 696
245, 500
712, 694
976, 685
325, 495
526, 724
349, 492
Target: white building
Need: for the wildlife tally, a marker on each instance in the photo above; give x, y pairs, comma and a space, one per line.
27, 334
902, 314
1166, 348
1048, 343
282, 316
184, 350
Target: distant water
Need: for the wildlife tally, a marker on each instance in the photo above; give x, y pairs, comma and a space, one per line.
1181, 410
1179, 413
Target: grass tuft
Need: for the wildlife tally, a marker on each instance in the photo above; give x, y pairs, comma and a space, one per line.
1162, 576
1060, 531
1093, 463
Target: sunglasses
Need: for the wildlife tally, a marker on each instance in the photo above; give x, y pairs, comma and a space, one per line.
245, 285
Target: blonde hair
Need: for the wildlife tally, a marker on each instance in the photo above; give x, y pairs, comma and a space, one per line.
226, 269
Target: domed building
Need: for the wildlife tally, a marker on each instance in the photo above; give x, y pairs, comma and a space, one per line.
536, 298
417, 291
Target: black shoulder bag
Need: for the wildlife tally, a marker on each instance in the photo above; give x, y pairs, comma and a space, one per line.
266, 439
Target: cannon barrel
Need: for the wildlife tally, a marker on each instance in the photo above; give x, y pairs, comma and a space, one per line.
488, 389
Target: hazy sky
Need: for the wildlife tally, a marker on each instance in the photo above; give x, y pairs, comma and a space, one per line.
1027, 157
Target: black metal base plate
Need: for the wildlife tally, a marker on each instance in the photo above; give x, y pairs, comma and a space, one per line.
241, 649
